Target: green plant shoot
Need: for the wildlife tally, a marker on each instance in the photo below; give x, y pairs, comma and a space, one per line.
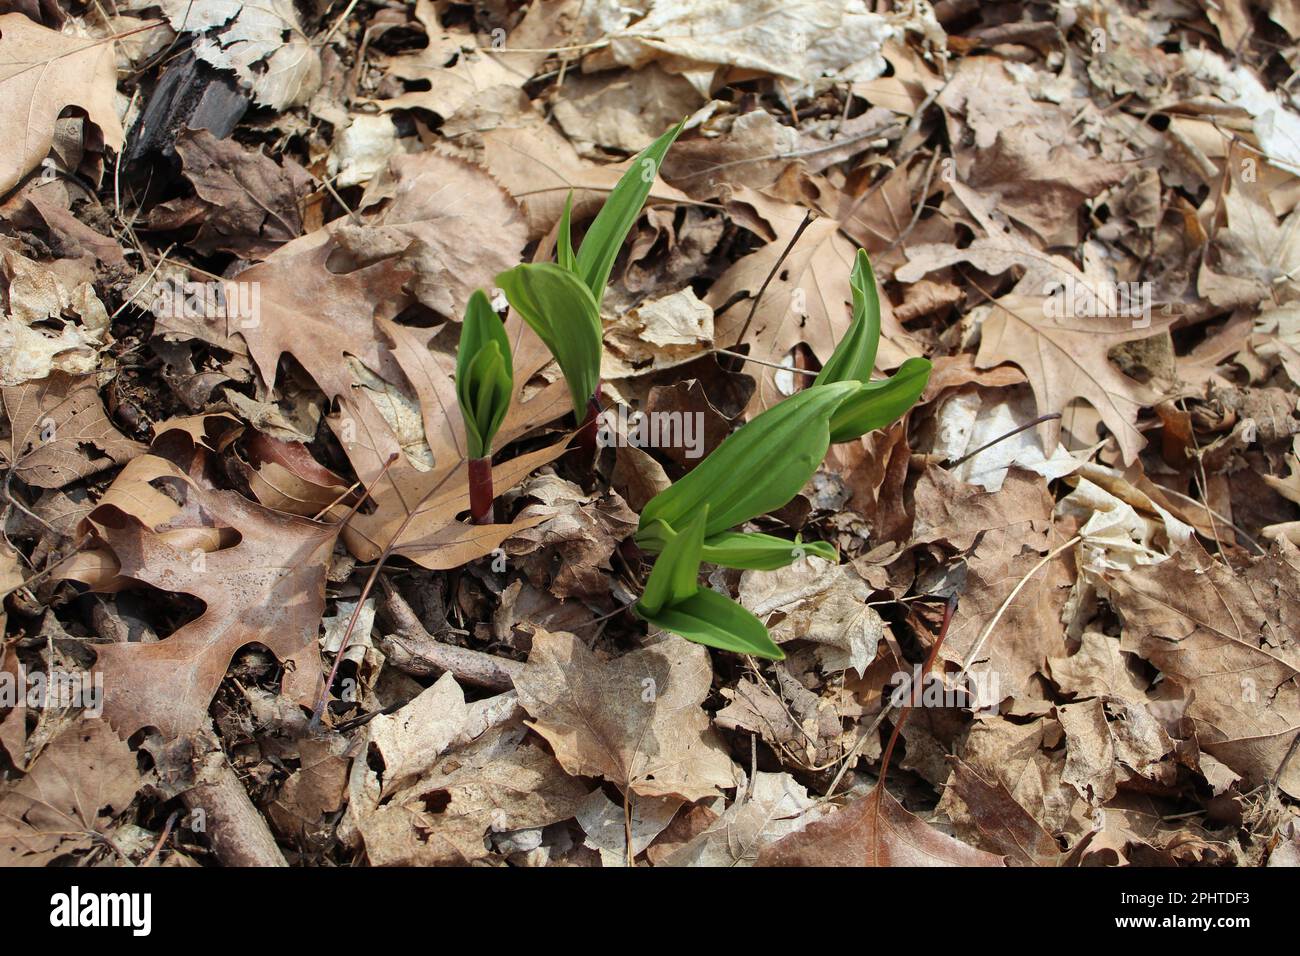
605, 237
875, 404
674, 601
757, 469
484, 385
560, 309
565, 321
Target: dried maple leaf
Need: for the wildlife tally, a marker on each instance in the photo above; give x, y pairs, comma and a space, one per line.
1228, 639
81, 780
42, 72
56, 425
874, 830
635, 720
267, 587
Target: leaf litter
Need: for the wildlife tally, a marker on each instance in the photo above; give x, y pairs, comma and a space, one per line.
235, 504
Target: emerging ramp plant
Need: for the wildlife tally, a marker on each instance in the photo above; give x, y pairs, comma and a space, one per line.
560, 301
484, 383
758, 469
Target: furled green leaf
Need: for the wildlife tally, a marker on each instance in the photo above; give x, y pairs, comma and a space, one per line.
560, 309
605, 237
760, 466
855, 355
877, 404
676, 572
746, 551
564, 242
752, 551
710, 618
484, 374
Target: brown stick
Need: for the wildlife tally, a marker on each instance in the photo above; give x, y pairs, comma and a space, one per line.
237, 831
412, 649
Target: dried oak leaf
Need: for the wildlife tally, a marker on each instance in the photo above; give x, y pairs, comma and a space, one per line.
43, 72
432, 499
539, 167
465, 227
82, 779
498, 783
635, 720
1068, 358
262, 42
252, 204
318, 316
568, 552
1228, 639
806, 302
778, 805
874, 830
59, 432
313, 792
814, 600
267, 587
800, 725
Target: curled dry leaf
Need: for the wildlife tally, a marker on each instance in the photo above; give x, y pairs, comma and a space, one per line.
251, 204
42, 72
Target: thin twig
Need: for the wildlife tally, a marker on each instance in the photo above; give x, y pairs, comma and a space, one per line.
808, 217
1015, 431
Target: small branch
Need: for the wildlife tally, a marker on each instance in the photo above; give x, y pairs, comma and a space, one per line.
237, 831
1015, 431
413, 650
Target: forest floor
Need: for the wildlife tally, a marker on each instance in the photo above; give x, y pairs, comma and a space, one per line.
248, 621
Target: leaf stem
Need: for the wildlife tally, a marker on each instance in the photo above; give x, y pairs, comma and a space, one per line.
482, 502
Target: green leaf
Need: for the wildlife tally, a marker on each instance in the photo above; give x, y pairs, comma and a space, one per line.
564, 243
709, 618
676, 572
751, 551
561, 310
877, 404
603, 240
855, 356
746, 551
484, 374
760, 466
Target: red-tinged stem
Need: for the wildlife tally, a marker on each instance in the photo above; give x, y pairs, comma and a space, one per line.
481, 500
588, 431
